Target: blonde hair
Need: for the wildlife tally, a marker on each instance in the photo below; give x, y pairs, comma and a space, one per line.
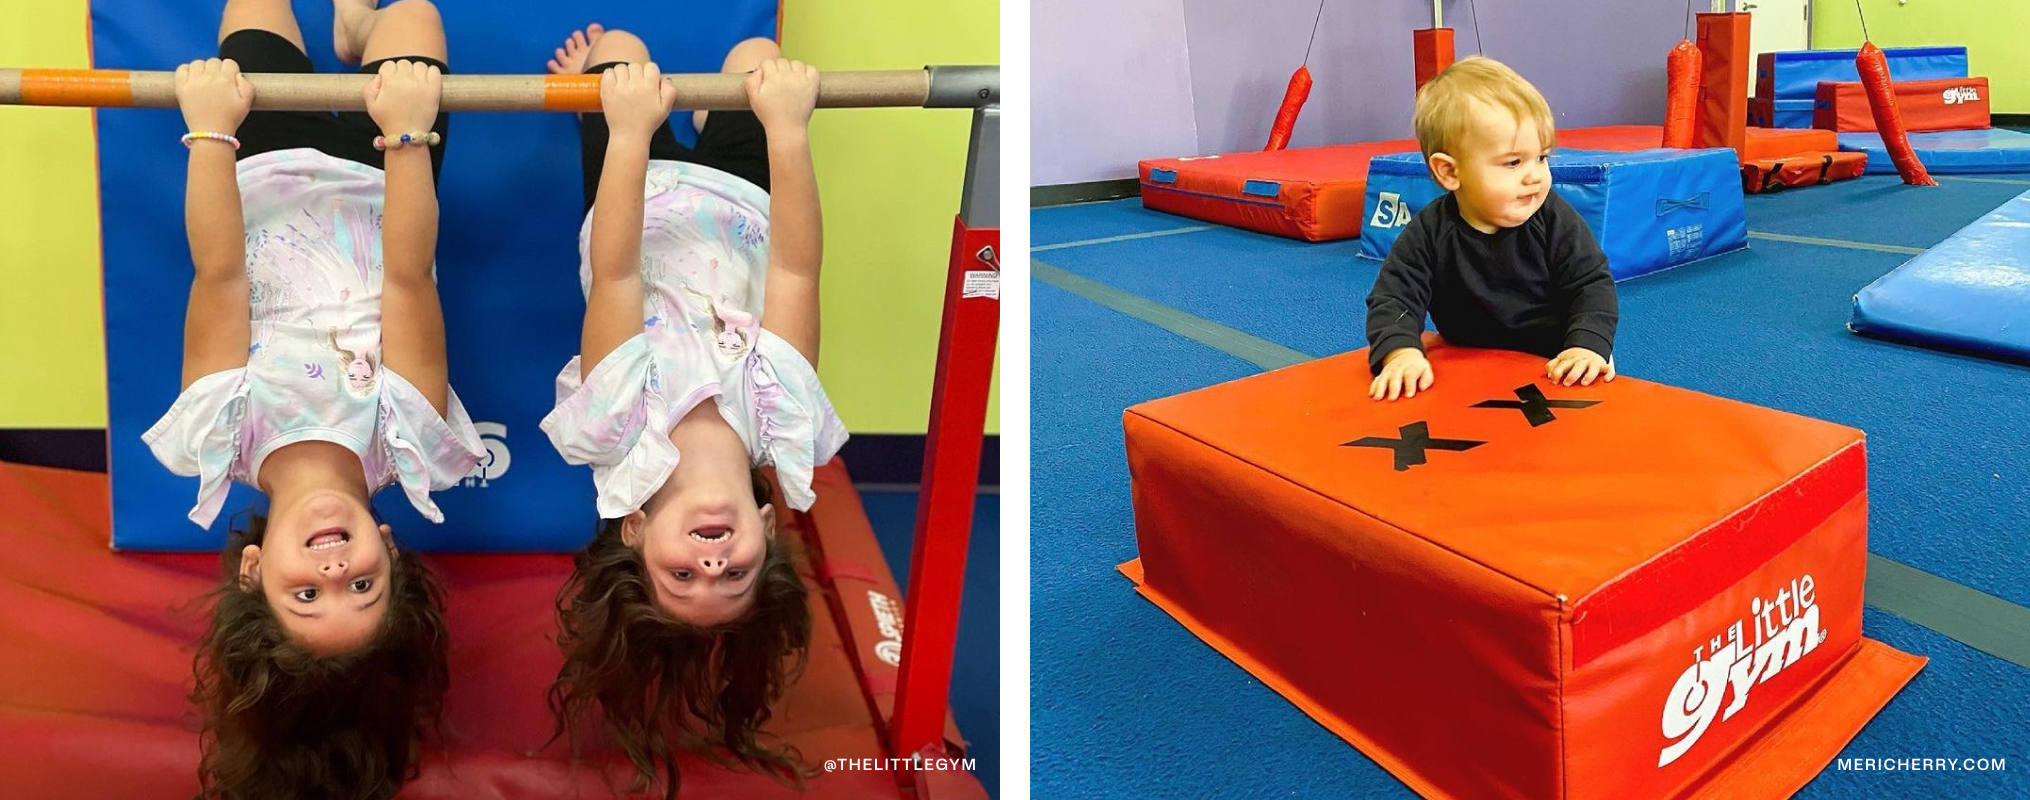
1445, 109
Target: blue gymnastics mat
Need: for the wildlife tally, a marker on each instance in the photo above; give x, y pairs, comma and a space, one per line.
1790, 78
1969, 293
511, 201
1795, 74
1949, 152
1650, 209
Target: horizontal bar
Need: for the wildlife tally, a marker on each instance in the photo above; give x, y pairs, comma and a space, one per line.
342, 92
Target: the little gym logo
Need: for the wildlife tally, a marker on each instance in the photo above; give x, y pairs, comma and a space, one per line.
1778, 631
888, 618
494, 436
1961, 94
1390, 211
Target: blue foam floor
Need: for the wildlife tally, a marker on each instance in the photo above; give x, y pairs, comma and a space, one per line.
1879, 209
1095, 220
1278, 289
1128, 703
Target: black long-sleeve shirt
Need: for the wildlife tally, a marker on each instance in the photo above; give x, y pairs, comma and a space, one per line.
1539, 287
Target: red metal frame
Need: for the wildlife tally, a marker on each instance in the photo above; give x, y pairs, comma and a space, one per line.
965, 371
951, 465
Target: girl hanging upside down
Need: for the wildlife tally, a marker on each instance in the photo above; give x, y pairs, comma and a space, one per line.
314, 371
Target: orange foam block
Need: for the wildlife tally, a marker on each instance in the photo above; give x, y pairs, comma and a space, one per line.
1723, 80
1507, 588
1766, 143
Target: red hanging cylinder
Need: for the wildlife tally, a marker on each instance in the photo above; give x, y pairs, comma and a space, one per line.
1681, 103
1874, 69
1293, 102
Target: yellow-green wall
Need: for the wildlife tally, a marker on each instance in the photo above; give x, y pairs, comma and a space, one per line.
1991, 30
51, 335
890, 180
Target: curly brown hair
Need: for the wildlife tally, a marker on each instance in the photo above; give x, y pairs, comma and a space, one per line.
662, 684
280, 721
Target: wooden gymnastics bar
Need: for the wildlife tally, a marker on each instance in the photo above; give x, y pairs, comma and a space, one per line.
929, 87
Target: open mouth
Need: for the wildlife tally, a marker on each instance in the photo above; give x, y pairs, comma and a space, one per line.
328, 538
713, 534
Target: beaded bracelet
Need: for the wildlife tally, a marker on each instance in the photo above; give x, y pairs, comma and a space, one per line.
422, 139
223, 137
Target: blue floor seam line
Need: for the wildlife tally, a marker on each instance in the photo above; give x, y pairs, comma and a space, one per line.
2003, 181
1879, 248
1122, 238
1977, 619
1252, 349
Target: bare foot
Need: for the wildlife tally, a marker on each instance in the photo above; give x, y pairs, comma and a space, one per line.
570, 59
351, 21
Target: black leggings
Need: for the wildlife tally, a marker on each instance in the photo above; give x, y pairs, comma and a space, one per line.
732, 141
346, 134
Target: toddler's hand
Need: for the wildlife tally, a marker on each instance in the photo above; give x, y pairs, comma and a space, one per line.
213, 95
1403, 373
403, 97
782, 93
1579, 365
636, 99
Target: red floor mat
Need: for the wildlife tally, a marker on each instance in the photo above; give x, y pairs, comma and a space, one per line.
99, 657
1310, 193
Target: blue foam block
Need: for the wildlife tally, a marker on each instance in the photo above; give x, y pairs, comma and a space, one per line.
511, 200
1650, 209
1969, 293
1950, 152
1795, 74
1788, 114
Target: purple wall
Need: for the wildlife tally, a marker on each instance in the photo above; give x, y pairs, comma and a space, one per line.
1242, 54
1598, 62
1110, 84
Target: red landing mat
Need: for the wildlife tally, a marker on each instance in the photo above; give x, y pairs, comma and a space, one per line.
1310, 193
1944, 104
1803, 169
98, 661
1316, 193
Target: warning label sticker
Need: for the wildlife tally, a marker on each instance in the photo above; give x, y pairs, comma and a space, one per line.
981, 283
1684, 242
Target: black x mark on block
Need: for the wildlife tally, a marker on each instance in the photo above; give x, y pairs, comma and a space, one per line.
1534, 406
1416, 439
